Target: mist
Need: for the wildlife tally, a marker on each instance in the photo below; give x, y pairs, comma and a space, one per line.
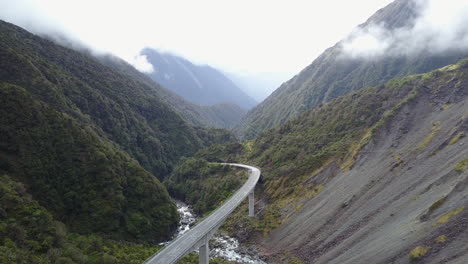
441, 26
235, 36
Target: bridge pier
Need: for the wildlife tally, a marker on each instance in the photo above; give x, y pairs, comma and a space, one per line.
204, 252
251, 204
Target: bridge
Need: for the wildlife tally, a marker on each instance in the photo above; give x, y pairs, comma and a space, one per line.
199, 236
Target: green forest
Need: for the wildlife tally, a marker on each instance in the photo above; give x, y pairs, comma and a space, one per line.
84, 149
204, 185
92, 152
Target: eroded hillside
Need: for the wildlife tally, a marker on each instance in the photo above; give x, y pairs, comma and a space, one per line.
378, 176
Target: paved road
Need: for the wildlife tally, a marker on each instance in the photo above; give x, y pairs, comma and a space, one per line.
196, 236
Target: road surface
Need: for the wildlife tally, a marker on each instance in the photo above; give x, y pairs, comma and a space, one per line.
197, 236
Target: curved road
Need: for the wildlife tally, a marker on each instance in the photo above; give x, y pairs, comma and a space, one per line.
197, 236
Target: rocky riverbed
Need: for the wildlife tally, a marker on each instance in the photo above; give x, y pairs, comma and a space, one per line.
221, 246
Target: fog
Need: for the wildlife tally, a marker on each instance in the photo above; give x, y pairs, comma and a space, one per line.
246, 38
441, 26
241, 36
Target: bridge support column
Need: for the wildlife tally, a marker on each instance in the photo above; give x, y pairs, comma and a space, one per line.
251, 204
204, 252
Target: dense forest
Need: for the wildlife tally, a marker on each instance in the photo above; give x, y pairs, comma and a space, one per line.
85, 181
84, 148
204, 185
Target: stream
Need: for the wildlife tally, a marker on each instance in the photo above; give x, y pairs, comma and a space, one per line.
221, 246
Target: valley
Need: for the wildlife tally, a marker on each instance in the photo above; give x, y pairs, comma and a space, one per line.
134, 154
221, 246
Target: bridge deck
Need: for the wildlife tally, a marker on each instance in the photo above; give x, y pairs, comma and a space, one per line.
197, 236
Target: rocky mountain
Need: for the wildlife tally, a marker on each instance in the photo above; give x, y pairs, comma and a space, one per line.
377, 176
82, 146
199, 84
334, 74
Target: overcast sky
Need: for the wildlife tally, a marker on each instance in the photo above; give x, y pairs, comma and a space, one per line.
238, 35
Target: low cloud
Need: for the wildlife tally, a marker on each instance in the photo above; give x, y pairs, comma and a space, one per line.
141, 63
440, 27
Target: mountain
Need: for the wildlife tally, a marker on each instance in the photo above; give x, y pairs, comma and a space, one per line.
221, 115
201, 85
332, 74
82, 146
377, 176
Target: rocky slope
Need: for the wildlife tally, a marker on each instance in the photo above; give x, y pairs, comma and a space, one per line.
333, 74
377, 176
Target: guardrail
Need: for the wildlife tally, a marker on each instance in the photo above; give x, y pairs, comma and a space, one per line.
198, 236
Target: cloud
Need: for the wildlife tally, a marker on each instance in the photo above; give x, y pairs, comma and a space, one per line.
141, 63
237, 36
440, 27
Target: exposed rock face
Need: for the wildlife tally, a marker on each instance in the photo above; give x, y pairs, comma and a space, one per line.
405, 198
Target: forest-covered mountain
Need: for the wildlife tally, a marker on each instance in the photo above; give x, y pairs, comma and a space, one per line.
199, 84
332, 74
221, 115
82, 146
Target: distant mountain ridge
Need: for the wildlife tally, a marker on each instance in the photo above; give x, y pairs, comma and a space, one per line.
203, 85
332, 75
222, 115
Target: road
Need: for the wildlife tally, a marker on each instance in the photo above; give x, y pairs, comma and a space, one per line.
196, 236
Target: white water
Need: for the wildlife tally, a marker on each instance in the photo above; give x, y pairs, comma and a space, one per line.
222, 246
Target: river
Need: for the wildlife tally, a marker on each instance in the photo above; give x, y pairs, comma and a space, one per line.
221, 246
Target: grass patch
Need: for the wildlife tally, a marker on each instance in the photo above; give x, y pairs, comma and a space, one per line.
248, 145
354, 150
295, 260
441, 239
428, 139
463, 64
462, 165
318, 189
456, 138
446, 217
418, 252
436, 205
